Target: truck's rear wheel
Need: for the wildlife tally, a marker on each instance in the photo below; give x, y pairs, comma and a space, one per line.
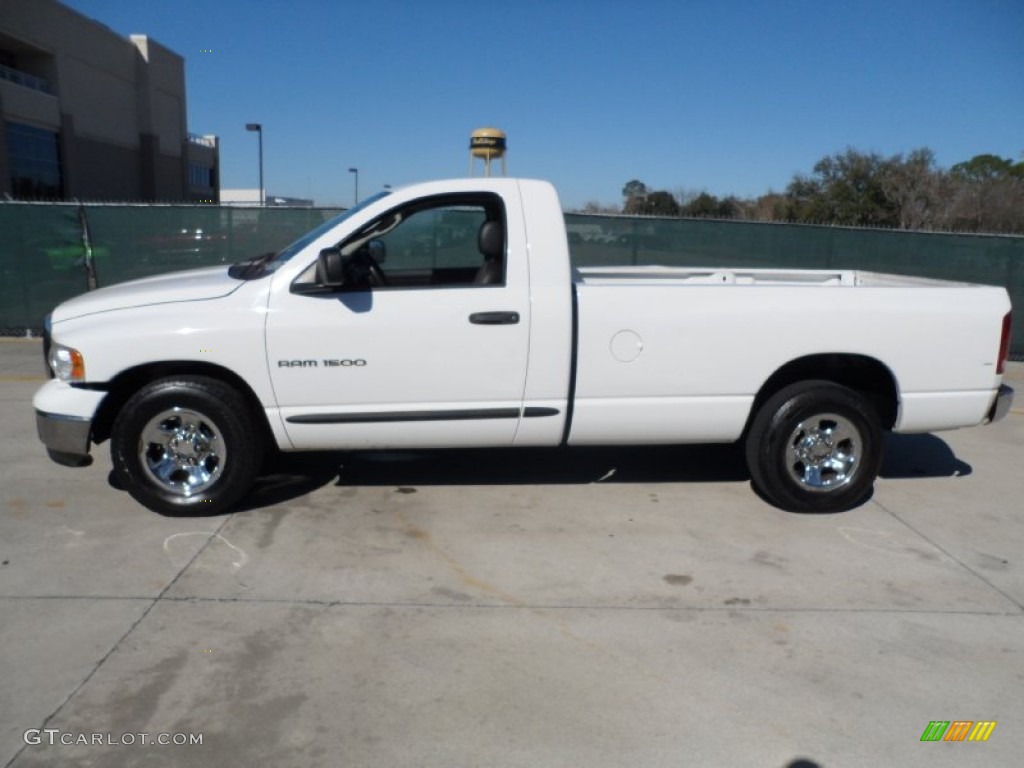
815, 446
184, 445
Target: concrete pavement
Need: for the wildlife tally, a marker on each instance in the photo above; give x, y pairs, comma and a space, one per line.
627, 607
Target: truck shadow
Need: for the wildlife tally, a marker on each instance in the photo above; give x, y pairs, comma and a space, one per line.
926, 455
289, 476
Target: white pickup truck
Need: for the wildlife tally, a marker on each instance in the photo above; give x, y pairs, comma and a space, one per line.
447, 314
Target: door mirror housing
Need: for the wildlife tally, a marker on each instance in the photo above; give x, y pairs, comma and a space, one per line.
332, 268
337, 271
333, 273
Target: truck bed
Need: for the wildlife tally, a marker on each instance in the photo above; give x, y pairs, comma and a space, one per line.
673, 352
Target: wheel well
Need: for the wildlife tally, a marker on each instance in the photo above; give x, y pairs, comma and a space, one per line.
130, 381
863, 374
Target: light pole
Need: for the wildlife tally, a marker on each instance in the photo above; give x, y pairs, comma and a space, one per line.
356, 172
259, 129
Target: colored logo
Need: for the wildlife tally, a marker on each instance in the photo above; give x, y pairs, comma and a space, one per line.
958, 730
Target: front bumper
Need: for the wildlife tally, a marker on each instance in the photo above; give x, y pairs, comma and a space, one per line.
64, 416
66, 437
1001, 406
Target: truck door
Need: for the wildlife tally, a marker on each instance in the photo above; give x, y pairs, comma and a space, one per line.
426, 348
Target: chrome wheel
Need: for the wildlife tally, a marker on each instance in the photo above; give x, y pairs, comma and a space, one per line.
182, 451
823, 452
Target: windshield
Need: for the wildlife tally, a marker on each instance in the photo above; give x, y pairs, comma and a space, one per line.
309, 237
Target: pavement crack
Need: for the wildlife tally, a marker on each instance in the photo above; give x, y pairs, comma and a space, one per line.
951, 556
99, 664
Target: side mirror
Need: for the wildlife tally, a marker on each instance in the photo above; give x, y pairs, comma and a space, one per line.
331, 268
336, 271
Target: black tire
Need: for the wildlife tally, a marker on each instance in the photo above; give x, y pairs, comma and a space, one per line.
815, 446
186, 445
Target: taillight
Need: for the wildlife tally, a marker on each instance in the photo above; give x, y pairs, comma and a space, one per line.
1004, 344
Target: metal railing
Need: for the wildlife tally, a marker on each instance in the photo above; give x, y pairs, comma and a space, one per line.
203, 141
18, 77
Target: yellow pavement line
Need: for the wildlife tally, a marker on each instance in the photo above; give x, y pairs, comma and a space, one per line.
20, 340
22, 378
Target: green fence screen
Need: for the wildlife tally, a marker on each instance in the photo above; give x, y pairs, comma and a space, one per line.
42, 248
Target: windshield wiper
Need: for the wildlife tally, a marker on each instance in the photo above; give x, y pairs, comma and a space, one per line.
251, 268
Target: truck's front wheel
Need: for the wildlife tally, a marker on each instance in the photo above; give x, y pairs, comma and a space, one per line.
184, 445
815, 446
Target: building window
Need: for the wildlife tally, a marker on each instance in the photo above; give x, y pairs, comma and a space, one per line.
200, 176
33, 156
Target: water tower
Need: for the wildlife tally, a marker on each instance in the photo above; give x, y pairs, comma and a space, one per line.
487, 144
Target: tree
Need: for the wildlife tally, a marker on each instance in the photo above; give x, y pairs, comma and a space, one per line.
594, 207
643, 201
635, 192
707, 205
771, 206
982, 168
702, 205
987, 195
846, 188
661, 203
916, 188
805, 201
634, 188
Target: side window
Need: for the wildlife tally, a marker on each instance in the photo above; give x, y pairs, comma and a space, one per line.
439, 242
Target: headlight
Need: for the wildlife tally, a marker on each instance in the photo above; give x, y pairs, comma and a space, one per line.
66, 363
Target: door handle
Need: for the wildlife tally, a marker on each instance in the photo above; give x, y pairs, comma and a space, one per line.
494, 318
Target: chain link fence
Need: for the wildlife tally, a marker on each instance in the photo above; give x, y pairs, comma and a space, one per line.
44, 248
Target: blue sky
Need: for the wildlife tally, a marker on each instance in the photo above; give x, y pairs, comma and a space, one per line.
732, 97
